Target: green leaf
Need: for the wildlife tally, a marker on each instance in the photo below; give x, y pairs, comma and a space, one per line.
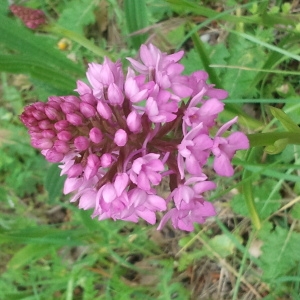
257, 41
136, 19
38, 48
280, 252
222, 244
269, 138
265, 202
41, 235
28, 254
284, 119
188, 6
273, 58
243, 54
217, 55
295, 213
277, 147
54, 182
51, 76
77, 15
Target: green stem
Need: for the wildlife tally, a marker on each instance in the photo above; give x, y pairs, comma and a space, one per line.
248, 193
80, 39
258, 140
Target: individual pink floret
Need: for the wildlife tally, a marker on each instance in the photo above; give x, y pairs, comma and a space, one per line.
225, 148
145, 171
189, 213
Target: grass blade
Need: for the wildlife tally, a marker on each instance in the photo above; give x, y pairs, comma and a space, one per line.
136, 19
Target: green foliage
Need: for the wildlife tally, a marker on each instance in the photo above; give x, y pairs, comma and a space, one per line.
243, 54
77, 14
36, 55
21, 169
136, 19
265, 202
217, 54
280, 252
52, 250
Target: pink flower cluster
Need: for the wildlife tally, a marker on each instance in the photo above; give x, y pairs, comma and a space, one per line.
32, 18
125, 133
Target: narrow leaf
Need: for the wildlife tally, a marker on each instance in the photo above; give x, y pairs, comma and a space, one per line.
266, 45
23, 41
284, 119
27, 255
50, 75
136, 19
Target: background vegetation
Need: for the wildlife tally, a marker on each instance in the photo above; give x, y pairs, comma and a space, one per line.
49, 249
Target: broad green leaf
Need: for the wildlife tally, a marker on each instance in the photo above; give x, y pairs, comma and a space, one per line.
217, 55
280, 252
77, 14
244, 54
222, 244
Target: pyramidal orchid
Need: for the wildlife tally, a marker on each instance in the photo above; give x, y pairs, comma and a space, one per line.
127, 132
32, 18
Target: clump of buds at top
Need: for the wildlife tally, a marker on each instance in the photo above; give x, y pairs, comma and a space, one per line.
32, 18
125, 133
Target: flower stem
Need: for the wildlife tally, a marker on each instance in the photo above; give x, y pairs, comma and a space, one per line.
248, 192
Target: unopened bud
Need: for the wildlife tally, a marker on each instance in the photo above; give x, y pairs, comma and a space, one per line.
74, 119
89, 98
115, 95
75, 171
45, 124
134, 122
104, 110
61, 125
106, 160
120, 137
81, 143
61, 146
95, 135
43, 143
54, 156
64, 135
87, 110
